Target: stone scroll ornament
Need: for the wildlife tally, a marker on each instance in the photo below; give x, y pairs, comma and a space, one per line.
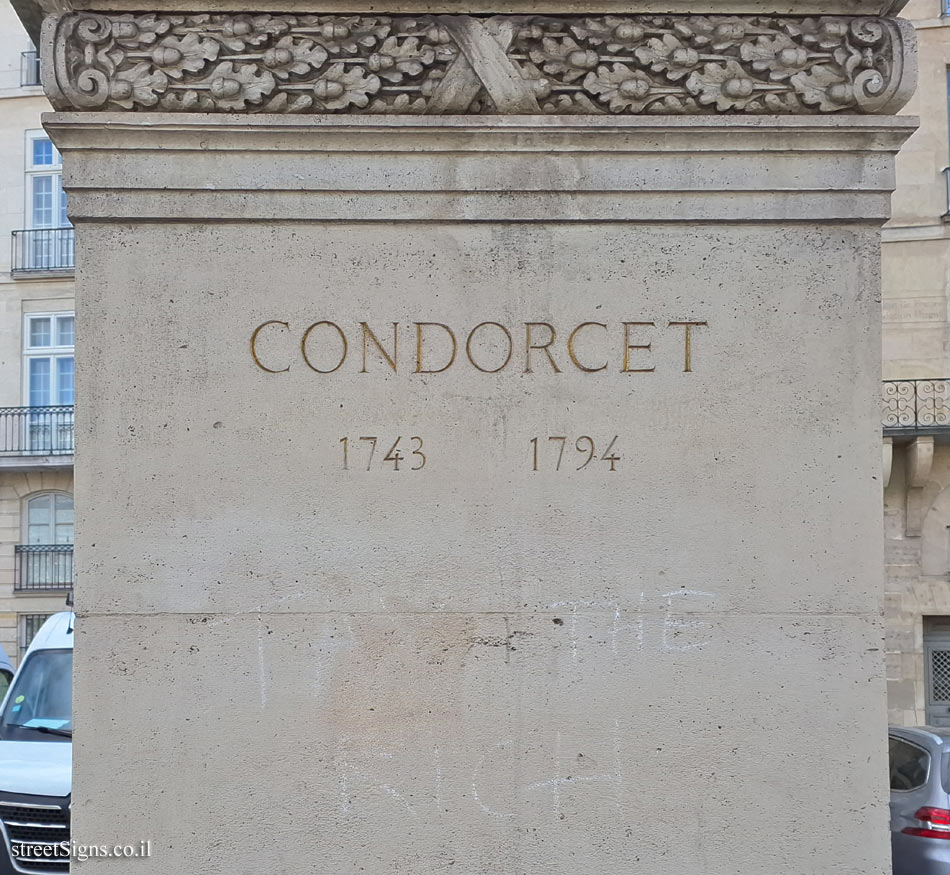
657, 64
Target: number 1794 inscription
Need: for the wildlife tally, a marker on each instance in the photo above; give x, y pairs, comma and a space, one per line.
551, 454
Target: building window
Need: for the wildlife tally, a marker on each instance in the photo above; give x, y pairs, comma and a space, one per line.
46, 201
45, 560
50, 519
29, 625
49, 363
30, 67
46, 243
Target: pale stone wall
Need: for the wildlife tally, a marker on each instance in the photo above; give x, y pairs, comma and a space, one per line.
476, 661
480, 660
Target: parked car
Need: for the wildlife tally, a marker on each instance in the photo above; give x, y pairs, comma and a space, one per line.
36, 728
919, 761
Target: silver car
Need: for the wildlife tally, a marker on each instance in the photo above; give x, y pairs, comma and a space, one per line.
920, 804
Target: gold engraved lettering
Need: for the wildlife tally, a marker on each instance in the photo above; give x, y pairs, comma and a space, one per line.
418, 452
254, 355
468, 348
372, 450
455, 348
353, 451
688, 344
434, 360
590, 449
390, 360
627, 346
570, 348
584, 446
303, 347
529, 345
394, 455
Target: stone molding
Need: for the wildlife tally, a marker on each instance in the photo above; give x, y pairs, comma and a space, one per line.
464, 64
179, 167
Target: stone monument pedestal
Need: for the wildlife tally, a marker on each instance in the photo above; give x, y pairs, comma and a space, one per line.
480, 472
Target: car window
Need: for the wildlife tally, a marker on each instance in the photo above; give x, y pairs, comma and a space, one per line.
909, 765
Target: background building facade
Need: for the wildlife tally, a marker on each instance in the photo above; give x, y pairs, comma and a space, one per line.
37, 336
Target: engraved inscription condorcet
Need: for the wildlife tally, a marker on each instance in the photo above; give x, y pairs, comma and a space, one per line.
658, 64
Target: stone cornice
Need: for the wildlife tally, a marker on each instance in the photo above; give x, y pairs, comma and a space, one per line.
187, 167
502, 64
470, 7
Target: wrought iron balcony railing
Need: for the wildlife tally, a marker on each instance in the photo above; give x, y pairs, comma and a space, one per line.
29, 68
43, 567
37, 431
916, 406
43, 250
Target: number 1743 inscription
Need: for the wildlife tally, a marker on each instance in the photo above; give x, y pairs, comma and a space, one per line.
365, 448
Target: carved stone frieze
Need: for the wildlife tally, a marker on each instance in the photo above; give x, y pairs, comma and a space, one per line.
658, 64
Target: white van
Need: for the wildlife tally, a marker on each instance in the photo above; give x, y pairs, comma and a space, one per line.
36, 728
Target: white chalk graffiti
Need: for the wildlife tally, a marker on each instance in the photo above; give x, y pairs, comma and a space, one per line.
667, 626
367, 772
491, 812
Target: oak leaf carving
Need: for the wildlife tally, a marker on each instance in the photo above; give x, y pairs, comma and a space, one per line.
187, 101
620, 87
240, 31
292, 55
190, 53
616, 34
779, 56
669, 56
825, 34
139, 31
572, 104
346, 35
139, 85
402, 104
726, 85
824, 87
395, 60
282, 102
563, 55
233, 87
339, 87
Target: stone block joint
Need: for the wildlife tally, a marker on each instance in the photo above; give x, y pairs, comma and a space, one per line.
478, 64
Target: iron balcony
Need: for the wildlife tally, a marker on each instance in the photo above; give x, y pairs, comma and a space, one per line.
34, 438
43, 252
913, 408
43, 568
